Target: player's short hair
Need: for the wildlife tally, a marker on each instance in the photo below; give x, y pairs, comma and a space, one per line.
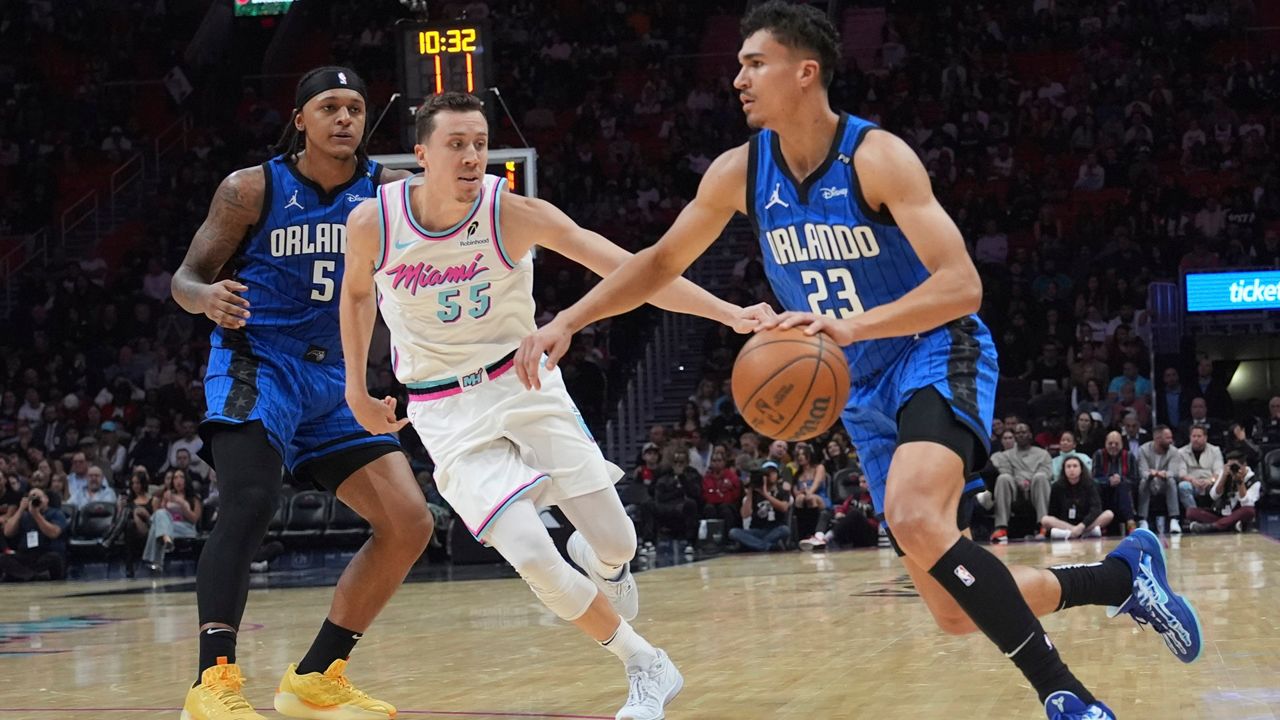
801, 27
424, 120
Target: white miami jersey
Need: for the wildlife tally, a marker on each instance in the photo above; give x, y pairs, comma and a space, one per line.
453, 300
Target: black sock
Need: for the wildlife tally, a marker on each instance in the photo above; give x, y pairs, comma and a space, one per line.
216, 642
333, 642
1109, 582
986, 590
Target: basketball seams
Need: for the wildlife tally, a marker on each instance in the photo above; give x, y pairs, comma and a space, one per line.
746, 404
808, 393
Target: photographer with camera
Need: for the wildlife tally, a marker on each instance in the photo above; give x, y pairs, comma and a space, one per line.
767, 503
1234, 496
35, 534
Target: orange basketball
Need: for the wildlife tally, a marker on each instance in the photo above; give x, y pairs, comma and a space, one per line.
790, 386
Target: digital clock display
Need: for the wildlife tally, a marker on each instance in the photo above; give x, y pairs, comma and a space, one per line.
442, 57
453, 40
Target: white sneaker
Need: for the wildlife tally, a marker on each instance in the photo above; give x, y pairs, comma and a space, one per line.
1096, 532
813, 543
622, 593
1059, 534
1144, 525
985, 499
652, 688
1174, 527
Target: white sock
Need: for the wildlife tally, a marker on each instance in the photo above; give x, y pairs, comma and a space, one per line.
598, 566
631, 649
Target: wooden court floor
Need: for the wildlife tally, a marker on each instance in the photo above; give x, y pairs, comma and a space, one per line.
798, 636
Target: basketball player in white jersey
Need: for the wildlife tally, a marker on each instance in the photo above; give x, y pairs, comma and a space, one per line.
448, 257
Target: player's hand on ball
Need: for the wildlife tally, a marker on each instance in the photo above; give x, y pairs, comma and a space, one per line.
551, 339
749, 319
839, 330
222, 305
376, 416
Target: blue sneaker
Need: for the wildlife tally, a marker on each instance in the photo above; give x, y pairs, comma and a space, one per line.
1153, 602
1064, 705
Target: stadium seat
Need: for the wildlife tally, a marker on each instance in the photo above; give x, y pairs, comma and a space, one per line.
92, 524
843, 485
308, 515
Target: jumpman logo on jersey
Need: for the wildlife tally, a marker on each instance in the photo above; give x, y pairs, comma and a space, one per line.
293, 202
775, 198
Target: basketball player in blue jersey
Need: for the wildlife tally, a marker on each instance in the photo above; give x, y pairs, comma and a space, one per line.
266, 266
856, 246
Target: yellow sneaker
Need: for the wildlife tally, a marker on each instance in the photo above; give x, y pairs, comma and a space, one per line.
218, 696
327, 696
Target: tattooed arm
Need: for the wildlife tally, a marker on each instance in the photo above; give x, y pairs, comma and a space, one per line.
235, 208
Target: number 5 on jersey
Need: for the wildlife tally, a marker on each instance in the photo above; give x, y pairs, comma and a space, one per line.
451, 309
846, 292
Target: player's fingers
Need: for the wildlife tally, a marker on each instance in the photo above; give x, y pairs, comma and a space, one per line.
233, 299
522, 354
790, 320
814, 328
233, 310
399, 425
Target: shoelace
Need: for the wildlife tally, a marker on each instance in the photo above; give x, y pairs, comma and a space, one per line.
1153, 615
345, 686
641, 687
227, 689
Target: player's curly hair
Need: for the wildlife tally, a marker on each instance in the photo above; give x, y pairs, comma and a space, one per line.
798, 26
292, 142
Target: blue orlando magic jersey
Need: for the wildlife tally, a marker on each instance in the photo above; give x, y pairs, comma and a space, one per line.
825, 250
292, 261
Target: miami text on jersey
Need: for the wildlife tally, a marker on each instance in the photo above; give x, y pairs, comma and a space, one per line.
420, 274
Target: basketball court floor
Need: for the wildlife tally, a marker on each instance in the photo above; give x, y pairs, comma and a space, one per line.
809, 637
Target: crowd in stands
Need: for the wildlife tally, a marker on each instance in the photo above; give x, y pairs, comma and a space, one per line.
1084, 150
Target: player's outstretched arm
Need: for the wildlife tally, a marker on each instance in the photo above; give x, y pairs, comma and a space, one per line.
543, 224
357, 312
721, 193
894, 178
236, 207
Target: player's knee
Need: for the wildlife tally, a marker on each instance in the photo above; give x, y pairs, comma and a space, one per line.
618, 547
919, 532
408, 526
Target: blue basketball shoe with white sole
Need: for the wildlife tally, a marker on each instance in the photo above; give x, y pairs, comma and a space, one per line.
1153, 601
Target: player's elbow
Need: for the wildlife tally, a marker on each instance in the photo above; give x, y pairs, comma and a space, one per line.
966, 291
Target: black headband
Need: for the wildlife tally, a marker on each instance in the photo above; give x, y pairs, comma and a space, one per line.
337, 78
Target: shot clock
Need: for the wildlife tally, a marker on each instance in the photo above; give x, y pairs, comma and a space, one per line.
438, 57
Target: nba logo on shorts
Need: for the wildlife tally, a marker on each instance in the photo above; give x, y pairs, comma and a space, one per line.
342, 78
965, 576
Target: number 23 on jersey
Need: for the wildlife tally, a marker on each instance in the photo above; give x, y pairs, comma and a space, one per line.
823, 282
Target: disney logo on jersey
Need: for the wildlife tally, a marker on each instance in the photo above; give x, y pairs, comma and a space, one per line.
834, 192
352, 197
471, 238
328, 238
822, 242
419, 275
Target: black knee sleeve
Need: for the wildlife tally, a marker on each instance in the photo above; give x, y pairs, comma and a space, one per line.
249, 479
